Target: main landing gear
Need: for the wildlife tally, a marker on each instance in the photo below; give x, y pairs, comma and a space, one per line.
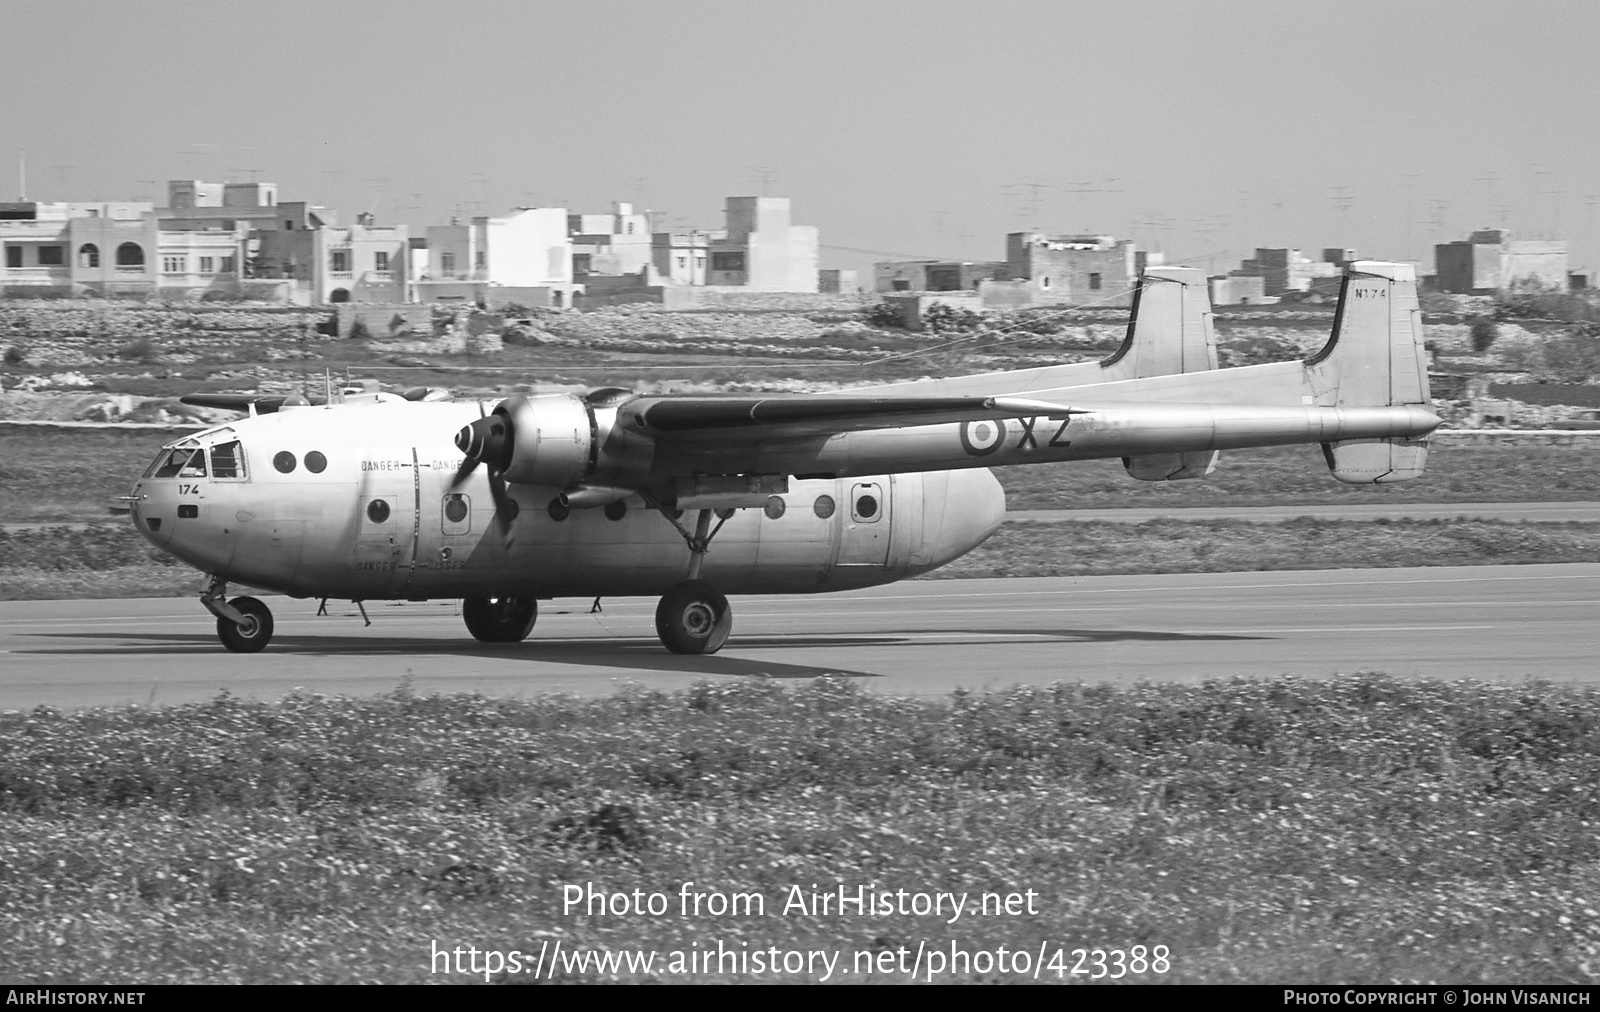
693, 617
499, 619
244, 624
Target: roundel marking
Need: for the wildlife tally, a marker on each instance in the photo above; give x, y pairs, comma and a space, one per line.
982, 438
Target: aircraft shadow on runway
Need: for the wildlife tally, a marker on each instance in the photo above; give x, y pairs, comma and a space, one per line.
641, 653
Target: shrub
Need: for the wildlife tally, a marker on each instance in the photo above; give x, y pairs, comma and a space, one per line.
1484, 331
942, 317
16, 354
884, 315
142, 350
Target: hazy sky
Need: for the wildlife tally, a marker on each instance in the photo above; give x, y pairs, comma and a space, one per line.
916, 129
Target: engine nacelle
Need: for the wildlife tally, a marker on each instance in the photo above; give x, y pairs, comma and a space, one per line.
553, 439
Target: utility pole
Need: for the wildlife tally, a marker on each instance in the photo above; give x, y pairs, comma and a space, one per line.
765, 175
1411, 185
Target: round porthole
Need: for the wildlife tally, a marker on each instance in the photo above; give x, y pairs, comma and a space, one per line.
377, 511
509, 509
867, 507
824, 506
617, 510
316, 463
283, 461
558, 510
775, 507
455, 507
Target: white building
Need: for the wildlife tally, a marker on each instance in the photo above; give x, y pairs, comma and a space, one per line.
613, 244
525, 257
111, 248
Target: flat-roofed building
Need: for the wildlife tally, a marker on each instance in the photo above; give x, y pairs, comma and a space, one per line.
1489, 261
1099, 270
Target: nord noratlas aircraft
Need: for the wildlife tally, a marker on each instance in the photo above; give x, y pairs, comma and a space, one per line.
693, 497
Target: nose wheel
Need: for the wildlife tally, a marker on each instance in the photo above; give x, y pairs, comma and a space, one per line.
693, 618
250, 635
244, 624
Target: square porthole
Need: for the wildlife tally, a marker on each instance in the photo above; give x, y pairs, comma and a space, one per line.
188, 511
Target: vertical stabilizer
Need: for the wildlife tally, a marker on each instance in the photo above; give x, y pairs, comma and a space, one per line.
1170, 329
1169, 332
1374, 358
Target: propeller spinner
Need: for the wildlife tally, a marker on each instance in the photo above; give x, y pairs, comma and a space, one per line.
487, 441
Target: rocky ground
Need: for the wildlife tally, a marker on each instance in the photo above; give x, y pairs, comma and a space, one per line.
99, 361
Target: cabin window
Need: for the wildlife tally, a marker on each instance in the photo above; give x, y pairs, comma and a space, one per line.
227, 460
183, 462
824, 506
316, 463
377, 511
284, 461
775, 507
866, 507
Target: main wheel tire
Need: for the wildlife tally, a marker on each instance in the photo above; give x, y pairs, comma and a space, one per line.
499, 619
254, 634
693, 618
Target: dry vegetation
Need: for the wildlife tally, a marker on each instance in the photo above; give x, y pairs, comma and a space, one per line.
1357, 830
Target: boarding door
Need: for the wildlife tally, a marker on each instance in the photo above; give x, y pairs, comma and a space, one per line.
864, 523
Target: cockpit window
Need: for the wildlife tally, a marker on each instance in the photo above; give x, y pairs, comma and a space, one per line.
227, 460
182, 462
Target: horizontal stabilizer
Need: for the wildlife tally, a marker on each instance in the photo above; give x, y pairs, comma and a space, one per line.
1377, 461
1172, 466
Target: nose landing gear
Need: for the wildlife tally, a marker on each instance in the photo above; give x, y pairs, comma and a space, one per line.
244, 624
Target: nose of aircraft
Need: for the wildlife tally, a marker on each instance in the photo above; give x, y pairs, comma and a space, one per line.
974, 508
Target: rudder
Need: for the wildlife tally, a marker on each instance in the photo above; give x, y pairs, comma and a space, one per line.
1374, 358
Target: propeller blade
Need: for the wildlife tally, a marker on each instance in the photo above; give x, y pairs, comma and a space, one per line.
463, 473
505, 507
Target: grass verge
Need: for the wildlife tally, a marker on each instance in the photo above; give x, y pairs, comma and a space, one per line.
1354, 830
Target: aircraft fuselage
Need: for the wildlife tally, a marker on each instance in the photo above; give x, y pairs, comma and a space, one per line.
358, 503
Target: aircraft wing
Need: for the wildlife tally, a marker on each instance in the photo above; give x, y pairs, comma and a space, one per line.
264, 405
725, 419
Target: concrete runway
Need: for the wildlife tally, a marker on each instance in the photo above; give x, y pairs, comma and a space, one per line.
916, 638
